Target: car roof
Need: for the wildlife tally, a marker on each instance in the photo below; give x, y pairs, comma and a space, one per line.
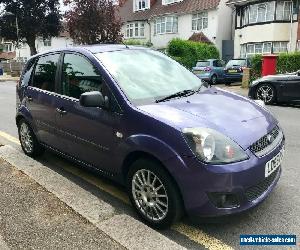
94, 49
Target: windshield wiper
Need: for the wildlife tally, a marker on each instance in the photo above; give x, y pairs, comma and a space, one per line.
185, 92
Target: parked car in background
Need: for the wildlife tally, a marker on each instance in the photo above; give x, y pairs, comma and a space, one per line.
211, 70
153, 126
233, 71
276, 88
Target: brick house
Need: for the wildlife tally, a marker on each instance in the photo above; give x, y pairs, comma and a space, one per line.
158, 21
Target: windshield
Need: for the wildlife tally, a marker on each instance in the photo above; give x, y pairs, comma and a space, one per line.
202, 64
146, 75
236, 63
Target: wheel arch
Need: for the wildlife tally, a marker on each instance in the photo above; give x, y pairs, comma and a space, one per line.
136, 155
267, 83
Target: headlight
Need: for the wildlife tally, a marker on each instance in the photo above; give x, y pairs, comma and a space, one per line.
211, 146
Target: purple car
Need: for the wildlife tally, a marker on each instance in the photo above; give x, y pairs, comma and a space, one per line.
143, 120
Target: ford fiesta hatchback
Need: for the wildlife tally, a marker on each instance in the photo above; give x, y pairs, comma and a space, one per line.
142, 119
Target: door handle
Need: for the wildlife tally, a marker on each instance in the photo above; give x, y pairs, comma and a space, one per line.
29, 98
61, 111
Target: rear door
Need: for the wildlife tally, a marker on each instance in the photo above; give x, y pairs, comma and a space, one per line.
86, 133
219, 68
40, 97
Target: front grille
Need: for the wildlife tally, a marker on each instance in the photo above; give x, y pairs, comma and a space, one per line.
261, 146
254, 192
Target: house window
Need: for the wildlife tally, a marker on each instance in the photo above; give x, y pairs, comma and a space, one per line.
165, 2
279, 47
258, 13
141, 5
255, 48
7, 47
135, 30
267, 48
284, 10
199, 21
47, 42
168, 24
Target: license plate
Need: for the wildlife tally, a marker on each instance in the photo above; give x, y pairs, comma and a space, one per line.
198, 72
232, 71
274, 163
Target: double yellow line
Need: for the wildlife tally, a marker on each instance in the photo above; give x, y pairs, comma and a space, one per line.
192, 233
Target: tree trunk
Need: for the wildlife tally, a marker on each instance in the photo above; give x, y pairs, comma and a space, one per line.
31, 43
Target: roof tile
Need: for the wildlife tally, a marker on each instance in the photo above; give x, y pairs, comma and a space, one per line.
186, 6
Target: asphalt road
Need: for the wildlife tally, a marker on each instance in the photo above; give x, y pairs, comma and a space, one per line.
279, 214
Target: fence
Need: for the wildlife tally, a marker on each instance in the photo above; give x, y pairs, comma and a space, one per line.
12, 67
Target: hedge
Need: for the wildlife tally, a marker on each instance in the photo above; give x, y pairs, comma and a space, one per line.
137, 42
286, 63
188, 53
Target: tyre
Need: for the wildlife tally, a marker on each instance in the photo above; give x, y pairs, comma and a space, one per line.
154, 194
214, 79
28, 140
227, 83
265, 92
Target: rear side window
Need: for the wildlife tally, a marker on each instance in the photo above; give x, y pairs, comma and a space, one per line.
45, 72
79, 76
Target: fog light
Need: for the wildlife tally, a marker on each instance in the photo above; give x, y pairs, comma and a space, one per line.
224, 200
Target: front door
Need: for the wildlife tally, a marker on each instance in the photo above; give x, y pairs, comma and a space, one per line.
291, 88
88, 134
40, 95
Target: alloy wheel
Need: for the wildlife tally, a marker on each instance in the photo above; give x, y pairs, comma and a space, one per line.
265, 93
150, 195
26, 138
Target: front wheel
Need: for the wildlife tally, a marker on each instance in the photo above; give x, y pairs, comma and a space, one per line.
28, 140
154, 194
266, 93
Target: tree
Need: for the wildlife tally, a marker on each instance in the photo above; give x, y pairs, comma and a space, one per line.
93, 21
36, 18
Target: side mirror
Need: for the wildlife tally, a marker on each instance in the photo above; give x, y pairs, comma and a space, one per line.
93, 99
298, 72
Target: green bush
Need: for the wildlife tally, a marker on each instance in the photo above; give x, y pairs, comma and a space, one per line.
256, 65
188, 53
137, 42
286, 63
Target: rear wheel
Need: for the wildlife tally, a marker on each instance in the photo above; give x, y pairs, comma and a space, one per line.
28, 140
154, 194
266, 93
214, 79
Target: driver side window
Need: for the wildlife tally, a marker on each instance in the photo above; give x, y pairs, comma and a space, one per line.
79, 76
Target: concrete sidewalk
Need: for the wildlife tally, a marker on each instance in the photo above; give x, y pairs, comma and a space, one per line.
33, 218
68, 216
8, 78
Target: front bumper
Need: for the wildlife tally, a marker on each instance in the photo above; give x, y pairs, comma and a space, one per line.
242, 179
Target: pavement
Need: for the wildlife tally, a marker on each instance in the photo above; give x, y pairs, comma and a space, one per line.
33, 218
104, 206
6, 78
